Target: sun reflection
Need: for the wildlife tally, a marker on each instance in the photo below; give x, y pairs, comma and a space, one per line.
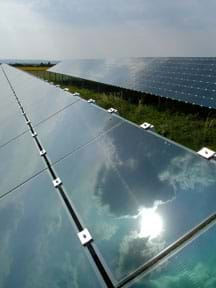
151, 224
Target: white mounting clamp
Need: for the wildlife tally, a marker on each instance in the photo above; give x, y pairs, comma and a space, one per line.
34, 134
28, 122
76, 94
85, 237
91, 101
112, 110
42, 152
147, 126
57, 182
206, 153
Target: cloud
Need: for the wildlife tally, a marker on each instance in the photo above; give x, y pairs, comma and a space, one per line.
188, 172
135, 251
134, 175
200, 276
83, 29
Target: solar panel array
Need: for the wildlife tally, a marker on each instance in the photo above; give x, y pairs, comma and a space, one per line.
140, 196
186, 79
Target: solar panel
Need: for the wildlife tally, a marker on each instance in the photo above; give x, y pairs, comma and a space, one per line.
199, 271
10, 117
131, 189
74, 127
19, 161
88, 197
186, 79
40, 99
38, 245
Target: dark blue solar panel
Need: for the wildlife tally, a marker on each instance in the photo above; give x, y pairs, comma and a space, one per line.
190, 80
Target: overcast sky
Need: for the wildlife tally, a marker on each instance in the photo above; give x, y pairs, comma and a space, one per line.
60, 29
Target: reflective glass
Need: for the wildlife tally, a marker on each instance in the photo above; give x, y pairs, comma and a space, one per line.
11, 120
74, 127
133, 73
6, 96
38, 244
19, 160
136, 199
39, 98
193, 267
11, 126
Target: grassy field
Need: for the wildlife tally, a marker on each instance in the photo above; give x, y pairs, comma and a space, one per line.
33, 69
189, 129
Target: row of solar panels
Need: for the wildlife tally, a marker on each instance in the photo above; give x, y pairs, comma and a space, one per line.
190, 80
136, 192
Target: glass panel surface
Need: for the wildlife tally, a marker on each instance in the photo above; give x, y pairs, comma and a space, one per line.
12, 122
137, 193
19, 160
38, 244
133, 73
74, 127
6, 96
11, 126
193, 267
39, 98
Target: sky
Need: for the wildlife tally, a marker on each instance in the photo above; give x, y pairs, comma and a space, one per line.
63, 29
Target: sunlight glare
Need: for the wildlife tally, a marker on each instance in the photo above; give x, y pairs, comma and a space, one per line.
151, 224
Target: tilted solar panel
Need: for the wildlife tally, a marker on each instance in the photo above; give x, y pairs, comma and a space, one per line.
39, 247
185, 79
199, 271
88, 199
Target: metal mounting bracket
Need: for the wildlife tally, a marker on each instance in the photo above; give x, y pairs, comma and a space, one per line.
91, 101
28, 122
42, 152
147, 126
76, 94
34, 134
112, 110
57, 182
206, 153
85, 237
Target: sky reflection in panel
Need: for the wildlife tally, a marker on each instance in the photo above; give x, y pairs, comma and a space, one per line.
74, 127
194, 266
138, 198
38, 244
39, 99
15, 167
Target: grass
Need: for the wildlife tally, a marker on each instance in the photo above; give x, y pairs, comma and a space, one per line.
189, 129
33, 69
